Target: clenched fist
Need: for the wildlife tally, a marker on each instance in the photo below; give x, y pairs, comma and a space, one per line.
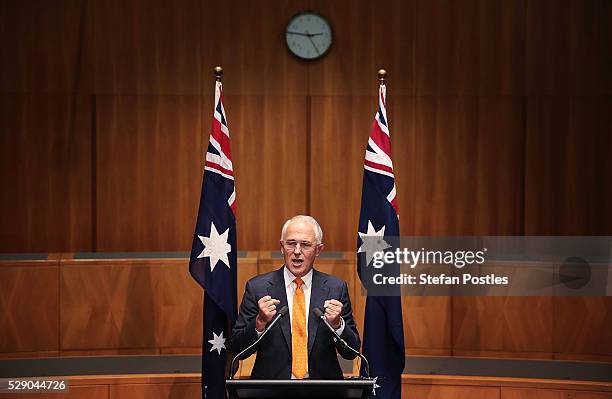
333, 309
267, 310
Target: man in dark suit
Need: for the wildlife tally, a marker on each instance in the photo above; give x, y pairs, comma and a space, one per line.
300, 346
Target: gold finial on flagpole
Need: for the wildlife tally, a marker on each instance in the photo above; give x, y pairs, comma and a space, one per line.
218, 73
382, 74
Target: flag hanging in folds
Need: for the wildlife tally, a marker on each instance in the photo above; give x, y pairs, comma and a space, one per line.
383, 335
213, 253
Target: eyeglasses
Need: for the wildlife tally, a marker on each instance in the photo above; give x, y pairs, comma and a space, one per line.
305, 246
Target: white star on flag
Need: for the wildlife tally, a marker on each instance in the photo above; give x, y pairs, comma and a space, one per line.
218, 342
371, 242
215, 247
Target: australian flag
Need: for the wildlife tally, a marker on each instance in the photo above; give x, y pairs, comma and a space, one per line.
213, 252
383, 335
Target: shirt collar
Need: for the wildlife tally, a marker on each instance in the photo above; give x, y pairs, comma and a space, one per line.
289, 277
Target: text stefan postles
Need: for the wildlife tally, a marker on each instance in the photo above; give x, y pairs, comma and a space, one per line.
442, 279
413, 258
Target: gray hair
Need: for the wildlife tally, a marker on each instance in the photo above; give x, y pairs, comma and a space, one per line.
307, 219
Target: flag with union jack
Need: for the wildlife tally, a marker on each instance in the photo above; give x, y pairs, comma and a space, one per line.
213, 253
383, 335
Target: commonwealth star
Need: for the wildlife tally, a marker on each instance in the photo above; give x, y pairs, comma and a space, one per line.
218, 342
371, 242
216, 247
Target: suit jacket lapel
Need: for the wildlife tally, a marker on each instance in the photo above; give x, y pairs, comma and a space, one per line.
278, 291
318, 295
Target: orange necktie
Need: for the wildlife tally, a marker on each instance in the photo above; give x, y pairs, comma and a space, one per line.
299, 343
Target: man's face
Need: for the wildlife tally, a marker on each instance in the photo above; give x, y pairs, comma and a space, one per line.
299, 248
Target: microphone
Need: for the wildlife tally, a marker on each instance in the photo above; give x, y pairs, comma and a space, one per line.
317, 312
276, 318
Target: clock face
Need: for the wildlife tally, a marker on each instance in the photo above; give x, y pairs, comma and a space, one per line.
308, 36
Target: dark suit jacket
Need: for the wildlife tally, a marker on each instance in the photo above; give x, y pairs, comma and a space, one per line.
274, 352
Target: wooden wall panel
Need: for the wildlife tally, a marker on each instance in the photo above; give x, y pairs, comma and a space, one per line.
587, 165
590, 39
344, 268
567, 166
530, 393
45, 148
177, 300
468, 169
502, 326
29, 306
362, 45
340, 130
247, 269
415, 391
247, 38
427, 325
336, 197
471, 47
134, 306
269, 150
402, 126
107, 306
45, 49
144, 47
150, 152
566, 44
149, 160
129, 304
581, 328
155, 391
547, 47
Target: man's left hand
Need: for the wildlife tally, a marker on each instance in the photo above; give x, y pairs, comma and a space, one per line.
333, 309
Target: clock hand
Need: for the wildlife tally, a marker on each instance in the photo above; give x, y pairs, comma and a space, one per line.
297, 33
313, 43
304, 34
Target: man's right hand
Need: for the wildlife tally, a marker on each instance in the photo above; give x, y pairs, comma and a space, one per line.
267, 310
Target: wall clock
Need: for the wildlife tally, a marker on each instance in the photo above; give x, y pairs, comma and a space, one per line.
308, 35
